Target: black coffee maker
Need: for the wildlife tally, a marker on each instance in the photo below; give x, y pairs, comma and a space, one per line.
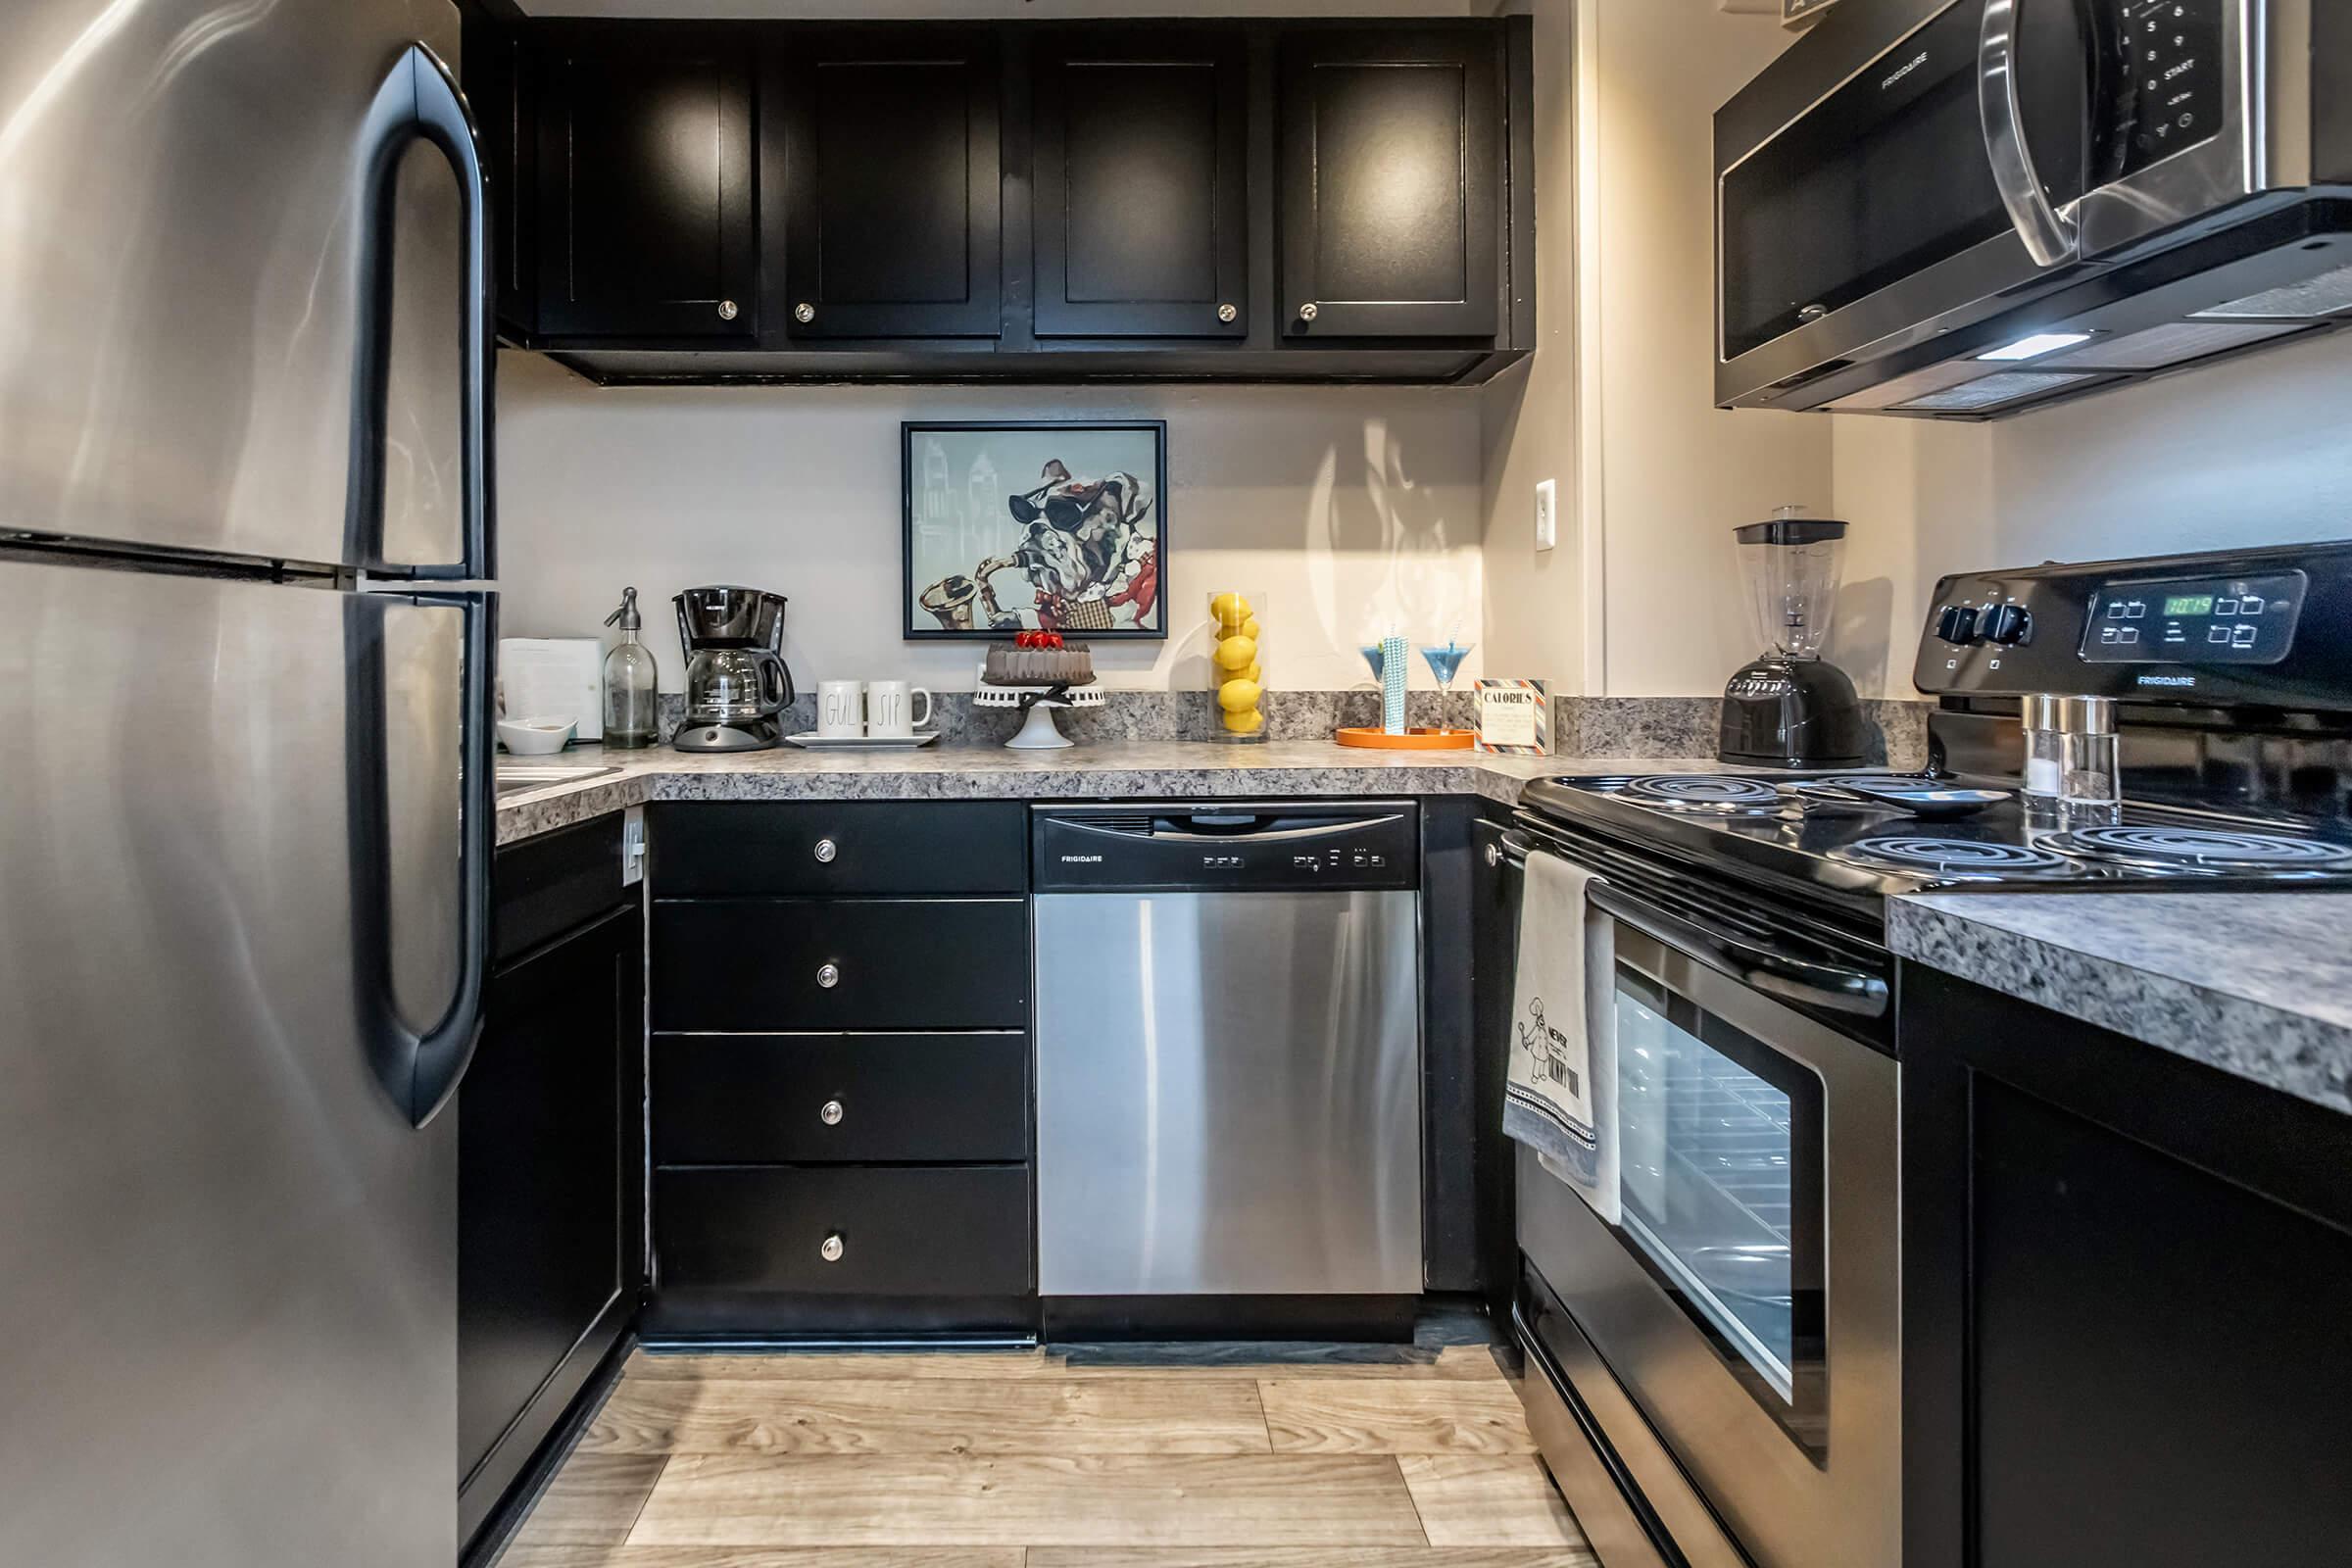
737, 683
1790, 708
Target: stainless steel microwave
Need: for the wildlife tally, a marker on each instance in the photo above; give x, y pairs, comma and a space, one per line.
1969, 208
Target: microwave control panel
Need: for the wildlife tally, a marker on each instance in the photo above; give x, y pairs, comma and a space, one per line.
2168, 83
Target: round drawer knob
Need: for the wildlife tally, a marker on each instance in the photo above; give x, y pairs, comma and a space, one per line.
1309, 311
829, 975
804, 313
1228, 314
1493, 854
829, 1113
830, 1248
825, 851
728, 310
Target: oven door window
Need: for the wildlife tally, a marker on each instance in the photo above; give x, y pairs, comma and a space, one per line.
1888, 174
1721, 1144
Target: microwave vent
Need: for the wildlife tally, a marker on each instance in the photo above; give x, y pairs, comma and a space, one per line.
1903, 388
1992, 391
2325, 295
2160, 348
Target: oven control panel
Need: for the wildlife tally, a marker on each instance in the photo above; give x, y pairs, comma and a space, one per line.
2267, 626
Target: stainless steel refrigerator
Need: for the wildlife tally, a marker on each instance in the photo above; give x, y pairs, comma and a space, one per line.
245, 384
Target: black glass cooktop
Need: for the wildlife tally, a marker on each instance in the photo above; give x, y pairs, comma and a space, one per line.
1765, 825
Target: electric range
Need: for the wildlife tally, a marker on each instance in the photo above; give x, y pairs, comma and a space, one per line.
1715, 1382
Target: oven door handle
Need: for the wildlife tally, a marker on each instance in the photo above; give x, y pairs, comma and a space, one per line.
2051, 238
1753, 964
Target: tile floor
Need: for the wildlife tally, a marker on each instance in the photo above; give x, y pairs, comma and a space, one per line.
1111, 1457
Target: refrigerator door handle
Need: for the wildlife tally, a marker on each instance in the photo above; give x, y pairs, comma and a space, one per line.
420, 101
420, 1069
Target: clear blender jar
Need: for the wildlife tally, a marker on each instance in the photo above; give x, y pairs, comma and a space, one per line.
1790, 708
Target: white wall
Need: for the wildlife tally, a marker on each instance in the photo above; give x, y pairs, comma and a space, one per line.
1339, 508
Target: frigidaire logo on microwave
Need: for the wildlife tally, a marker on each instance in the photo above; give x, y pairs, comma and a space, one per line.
1904, 70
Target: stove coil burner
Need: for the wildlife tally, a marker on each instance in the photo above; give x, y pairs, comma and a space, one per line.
1719, 794
1976, 859
2199, 849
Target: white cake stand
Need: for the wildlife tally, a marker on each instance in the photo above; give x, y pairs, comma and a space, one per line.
1038, 733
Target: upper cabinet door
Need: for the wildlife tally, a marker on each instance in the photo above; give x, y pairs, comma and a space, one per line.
1141, 195
644, 165
888, 183
1391, 176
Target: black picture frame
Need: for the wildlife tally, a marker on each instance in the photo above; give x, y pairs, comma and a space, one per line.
920, 624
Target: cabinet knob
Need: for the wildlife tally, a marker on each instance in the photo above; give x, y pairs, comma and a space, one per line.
1229, 314
825, 851
1309, 311
804, 313
1812, 312
1493, 854
728, 310
829, 1112
829, 976
831, 1247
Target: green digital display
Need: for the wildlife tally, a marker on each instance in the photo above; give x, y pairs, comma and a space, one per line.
2190, 605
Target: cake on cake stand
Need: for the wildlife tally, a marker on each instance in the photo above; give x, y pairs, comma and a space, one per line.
1037, 673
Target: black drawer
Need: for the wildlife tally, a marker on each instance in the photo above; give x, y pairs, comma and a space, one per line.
950, 1231
735, 847
759, 964
740, 1099
545, 886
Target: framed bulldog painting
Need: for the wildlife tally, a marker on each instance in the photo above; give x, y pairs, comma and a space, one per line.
1036, 526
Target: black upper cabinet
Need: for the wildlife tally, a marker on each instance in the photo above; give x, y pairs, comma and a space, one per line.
1140, 204
1269, 199
882, 179
645, 179
1393, 181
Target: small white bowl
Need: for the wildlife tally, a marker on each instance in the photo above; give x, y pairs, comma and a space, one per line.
536, 737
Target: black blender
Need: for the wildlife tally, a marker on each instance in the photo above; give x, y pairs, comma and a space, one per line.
1788, 707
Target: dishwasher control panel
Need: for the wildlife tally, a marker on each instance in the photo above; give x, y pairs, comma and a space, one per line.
1192, 847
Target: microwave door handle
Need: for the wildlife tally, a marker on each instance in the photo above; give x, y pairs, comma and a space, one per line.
1765, 968
2051, 238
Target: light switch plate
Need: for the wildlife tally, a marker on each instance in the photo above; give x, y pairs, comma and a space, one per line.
632, 846
1548, 514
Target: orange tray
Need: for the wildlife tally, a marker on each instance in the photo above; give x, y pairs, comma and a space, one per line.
1412, 740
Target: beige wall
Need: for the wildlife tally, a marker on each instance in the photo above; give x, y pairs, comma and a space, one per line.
1342, 508
1642, 598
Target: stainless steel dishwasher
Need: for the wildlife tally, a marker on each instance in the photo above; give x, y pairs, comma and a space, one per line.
1228, 1061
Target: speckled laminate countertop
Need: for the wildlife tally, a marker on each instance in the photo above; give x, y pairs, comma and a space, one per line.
1114, 770
2256, 984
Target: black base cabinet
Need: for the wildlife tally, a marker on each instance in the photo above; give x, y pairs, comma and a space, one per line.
1268, 200
2127, 1280
550, 1183
840, 1105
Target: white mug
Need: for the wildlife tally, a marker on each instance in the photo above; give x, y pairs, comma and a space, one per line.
890, 705
840, 709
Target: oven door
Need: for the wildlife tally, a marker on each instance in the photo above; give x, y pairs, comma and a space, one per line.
1747, 1304
1869, 189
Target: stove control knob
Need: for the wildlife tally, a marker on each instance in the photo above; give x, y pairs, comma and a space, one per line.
1956, 623
2005, 624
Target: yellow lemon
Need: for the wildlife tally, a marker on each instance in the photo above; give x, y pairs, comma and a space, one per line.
1249, 628
1231, 610
1236, 654
1239, 696
1254, 673
1248, 721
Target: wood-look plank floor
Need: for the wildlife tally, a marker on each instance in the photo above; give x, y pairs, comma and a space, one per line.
1218, 1456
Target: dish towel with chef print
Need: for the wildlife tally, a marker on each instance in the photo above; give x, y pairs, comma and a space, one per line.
1561, 1098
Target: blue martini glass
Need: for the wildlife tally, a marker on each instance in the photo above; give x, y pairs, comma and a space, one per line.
1445, 661
1371, 653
